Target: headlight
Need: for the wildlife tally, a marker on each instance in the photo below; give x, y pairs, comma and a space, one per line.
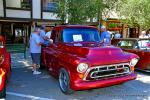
133, 61
82, 67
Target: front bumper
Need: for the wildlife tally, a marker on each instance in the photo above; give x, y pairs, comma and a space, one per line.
84, 85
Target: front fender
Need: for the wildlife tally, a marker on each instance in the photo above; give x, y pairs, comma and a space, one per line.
2, 78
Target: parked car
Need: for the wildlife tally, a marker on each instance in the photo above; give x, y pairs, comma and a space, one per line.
4, 67
80, 62
141, 47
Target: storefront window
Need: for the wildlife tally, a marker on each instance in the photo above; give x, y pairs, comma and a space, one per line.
24, 4
19, 32
49, 5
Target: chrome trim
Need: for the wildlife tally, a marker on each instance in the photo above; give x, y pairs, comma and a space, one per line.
98, 67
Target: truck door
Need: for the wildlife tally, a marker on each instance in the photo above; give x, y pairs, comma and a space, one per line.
52, 52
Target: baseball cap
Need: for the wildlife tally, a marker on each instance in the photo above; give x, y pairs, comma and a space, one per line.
42, 27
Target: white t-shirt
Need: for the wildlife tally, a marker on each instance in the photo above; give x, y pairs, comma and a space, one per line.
48, 34
143, 37
143, 43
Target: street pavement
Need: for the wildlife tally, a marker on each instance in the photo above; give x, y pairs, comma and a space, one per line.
23, 85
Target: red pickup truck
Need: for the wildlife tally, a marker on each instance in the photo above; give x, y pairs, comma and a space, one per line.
80, 62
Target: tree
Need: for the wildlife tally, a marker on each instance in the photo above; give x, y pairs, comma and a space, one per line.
72, 10
135, 11
79, 11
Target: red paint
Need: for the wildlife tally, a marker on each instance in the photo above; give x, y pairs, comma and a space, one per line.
2, 78
83, 85
65, 55
5, 66
144, 61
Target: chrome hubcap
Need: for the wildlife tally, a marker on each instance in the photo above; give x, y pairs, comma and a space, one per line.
63, 81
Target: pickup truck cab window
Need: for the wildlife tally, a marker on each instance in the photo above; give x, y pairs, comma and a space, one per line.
56, 36
80, 35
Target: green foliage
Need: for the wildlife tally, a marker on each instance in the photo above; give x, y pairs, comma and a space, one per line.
79, 11
112, 25
135, 11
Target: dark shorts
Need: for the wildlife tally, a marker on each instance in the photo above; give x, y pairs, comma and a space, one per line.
36, 58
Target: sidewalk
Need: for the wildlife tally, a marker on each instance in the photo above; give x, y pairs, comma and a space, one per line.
18, 61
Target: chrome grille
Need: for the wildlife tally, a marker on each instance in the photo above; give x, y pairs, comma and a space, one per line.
107, 71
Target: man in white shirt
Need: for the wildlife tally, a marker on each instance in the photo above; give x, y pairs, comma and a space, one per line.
143, 43
47, 37
143, 35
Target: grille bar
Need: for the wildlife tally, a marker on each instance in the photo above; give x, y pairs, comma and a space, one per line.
110, 75
101, 72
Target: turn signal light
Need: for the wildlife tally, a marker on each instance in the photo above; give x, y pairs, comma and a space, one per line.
132, 69
81, 76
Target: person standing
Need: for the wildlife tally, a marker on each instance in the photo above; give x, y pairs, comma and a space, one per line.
117, 35
48, 34
47, 37
35, 49
143, 43
105, 36
143, 35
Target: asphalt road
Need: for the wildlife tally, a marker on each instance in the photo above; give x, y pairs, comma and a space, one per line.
23, 85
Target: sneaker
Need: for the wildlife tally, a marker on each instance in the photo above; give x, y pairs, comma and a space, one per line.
36, 72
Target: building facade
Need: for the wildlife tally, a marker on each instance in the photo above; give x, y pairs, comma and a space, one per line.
18, 17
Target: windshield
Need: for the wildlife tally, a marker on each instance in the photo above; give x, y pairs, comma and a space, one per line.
80, 35
141, 44
126, 44
144, 44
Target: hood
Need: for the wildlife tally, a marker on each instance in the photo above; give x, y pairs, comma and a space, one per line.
99, 55
91, 50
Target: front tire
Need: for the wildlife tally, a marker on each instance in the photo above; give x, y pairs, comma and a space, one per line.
64, 82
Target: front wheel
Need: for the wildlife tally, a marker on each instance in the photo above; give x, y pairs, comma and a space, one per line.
64, 81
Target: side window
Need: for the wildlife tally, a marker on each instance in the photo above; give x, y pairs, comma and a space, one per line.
57, 36
53, 34
136, 45
61, 36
